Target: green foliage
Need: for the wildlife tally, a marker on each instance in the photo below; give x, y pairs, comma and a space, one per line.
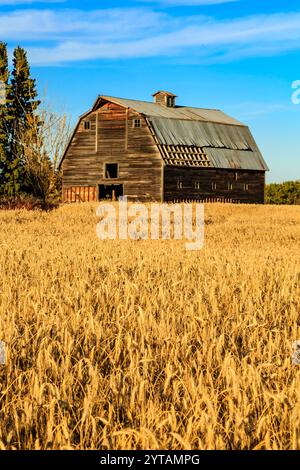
283, 193
26, 170
5, 117
23, 105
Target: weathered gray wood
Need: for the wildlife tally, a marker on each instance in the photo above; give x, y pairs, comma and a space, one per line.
189, 176
139, 160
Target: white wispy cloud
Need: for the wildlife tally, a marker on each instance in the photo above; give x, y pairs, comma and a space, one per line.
98, 25
189, 2
60, 36
248, 110
27, 2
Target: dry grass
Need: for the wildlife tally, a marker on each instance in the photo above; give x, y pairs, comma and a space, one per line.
136, 345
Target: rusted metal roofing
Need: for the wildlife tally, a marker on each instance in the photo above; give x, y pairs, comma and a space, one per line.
178, 112
226, 146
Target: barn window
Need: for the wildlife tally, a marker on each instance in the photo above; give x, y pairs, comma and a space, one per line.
137, 123
236, 176
246, 187
87, 125
197, 185
230, 186
179, 185
111, 170
213, 185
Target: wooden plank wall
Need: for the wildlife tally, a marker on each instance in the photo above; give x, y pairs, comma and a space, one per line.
80, 166
222, 178
113, 139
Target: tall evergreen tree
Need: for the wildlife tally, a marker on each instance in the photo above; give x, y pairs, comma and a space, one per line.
24, 104
26, 133
4, 116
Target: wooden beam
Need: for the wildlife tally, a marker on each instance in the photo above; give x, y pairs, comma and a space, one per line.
97, 131
126, 130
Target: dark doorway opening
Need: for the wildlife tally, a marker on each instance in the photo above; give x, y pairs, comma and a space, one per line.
111, 192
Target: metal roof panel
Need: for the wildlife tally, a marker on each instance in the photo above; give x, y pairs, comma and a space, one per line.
178, 112
227, 146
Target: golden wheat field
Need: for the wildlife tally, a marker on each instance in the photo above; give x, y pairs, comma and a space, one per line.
143, 345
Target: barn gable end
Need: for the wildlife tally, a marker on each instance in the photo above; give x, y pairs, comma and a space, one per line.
115, 136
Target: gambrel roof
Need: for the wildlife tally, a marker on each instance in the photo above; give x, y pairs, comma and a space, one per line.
189, 136
194, 137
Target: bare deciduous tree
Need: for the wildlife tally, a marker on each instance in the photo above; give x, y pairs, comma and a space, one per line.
43, 144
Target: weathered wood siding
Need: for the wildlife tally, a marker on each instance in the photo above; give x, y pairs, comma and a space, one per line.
112, 138
81, 166
207, 177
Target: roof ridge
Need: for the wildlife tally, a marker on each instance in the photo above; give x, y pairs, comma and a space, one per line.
127, 99
190, 113
156, 104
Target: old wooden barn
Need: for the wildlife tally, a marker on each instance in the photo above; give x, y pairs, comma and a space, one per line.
159, 151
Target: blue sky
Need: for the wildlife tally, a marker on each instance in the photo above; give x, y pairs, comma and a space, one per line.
241, 56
